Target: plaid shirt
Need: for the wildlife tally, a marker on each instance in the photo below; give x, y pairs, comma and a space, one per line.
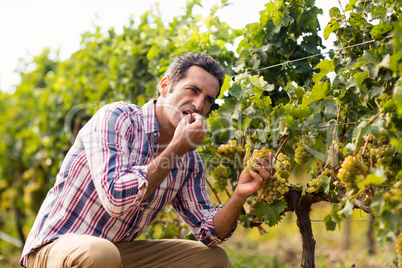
103, 179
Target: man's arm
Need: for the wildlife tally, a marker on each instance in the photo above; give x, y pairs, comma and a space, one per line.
226, 218
189, 134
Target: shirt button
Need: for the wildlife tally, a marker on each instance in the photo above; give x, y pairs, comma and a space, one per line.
128, 234
142, 209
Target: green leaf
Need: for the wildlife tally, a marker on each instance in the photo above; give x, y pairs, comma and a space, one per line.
398, 96
300, 112
378, 204
329, 223
331, 27
235, 91
262, 135
377, 178
351, 5
380, 30
347, 209
225, 87
326, 66
326, 184
318, 92
270, 213
391, 220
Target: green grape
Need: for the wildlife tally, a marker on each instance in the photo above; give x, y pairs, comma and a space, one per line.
349, 170
368, 152
335, 151
315, 185
398, 245
394, 197
230, 149
382, 153
301, 154
394, 167
221, 176
247, 149
263, 153
282, 166
274, 189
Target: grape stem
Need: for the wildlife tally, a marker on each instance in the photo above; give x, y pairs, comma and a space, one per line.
365, 146
212, 188
397, 147
280, 147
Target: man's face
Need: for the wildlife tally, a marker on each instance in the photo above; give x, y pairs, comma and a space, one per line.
193, 94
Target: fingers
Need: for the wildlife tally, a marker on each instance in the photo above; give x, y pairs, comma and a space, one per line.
264, 166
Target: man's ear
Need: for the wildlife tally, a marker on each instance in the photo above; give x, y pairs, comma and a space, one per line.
164, 86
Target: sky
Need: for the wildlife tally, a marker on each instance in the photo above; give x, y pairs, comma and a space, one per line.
27, 27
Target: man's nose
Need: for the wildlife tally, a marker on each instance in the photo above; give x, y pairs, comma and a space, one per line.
198, 104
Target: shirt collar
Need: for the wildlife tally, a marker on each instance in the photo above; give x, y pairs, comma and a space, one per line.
149, 117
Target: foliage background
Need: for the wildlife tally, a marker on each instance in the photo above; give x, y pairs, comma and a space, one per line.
35, 134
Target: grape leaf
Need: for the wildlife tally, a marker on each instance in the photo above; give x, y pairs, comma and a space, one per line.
391, 220
326, 184
225, 87
300, 112
377, 178
271, 213
332, 26
329, 223
348, 208
326, 66
398, 96
318, 92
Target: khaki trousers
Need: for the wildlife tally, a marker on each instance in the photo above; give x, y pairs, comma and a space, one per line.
72, 250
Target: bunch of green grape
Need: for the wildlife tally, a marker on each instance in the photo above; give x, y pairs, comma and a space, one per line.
315, 185
335, 153
383, 156
366, 156
282, 167
394, 197
262, 153
398, 245
349, 170
221, 176
229, 149
301, 154
394, 167
247, 149
274, 189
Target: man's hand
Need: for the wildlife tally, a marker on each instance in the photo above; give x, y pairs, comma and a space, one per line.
190, 133
254, 181
249, 183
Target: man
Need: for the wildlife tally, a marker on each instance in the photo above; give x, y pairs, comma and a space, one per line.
127, 163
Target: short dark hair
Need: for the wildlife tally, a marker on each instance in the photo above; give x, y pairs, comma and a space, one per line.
179, 66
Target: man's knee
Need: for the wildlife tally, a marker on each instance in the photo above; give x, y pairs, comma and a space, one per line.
220, 257
101, 253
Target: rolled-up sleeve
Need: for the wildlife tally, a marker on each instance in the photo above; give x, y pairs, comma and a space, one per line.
120, 184
194, 206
